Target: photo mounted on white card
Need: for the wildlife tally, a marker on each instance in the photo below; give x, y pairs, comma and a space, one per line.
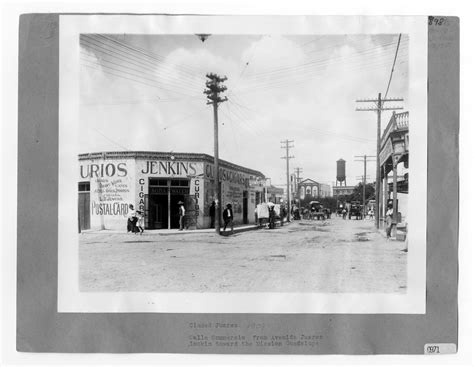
150, 221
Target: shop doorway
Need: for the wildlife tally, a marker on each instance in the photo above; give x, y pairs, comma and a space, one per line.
162, 207
245, 207
158, 211
174, 209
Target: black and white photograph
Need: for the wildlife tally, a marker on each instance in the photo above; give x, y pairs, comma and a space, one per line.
244, 164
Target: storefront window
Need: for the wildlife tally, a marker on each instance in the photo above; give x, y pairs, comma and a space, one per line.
184, 183
158, 182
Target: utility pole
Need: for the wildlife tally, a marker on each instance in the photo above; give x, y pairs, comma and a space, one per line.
378, 108
214, 88
287, 157
365, 175
298, 170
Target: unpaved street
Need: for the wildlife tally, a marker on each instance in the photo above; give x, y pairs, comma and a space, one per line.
305, 256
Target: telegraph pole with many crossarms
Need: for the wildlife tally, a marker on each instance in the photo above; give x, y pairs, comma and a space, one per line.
214, 88
287, 157
378, 108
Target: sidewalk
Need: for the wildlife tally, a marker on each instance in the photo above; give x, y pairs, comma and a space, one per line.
166, 232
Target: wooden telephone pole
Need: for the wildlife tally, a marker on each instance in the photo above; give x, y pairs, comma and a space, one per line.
214, 88
365, 175
378, 108
287, 157
298, 170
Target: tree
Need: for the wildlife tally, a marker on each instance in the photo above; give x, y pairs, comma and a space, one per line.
357, 193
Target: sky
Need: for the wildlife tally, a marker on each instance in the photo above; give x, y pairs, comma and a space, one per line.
145, 92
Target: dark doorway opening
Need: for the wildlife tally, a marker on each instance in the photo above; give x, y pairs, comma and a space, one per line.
245, 207
84, 207
163, 197
158, 211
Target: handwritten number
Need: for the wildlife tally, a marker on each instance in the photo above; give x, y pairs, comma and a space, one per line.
436, 21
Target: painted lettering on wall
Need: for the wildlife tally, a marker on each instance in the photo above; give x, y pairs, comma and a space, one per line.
115, 208
103, 170
111, 189
197, 193
228, 176
141, 195
169, 168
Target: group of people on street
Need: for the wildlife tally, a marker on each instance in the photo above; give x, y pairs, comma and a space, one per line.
135, 220
269, 213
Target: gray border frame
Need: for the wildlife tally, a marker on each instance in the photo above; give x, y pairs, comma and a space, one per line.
40, 328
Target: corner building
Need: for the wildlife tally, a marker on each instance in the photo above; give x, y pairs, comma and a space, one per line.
154, 182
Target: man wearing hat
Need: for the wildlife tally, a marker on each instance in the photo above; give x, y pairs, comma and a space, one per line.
228, 216
181, 215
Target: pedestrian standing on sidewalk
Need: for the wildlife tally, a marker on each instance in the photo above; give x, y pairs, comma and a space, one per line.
140, 221
283, 214
271, 223
389, 221
182, 212
228, 217
212, 213
131, 219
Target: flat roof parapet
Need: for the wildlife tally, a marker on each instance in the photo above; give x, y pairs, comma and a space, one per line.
165, 156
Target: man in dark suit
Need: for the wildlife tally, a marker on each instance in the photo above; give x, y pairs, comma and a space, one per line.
228, 216
212, 213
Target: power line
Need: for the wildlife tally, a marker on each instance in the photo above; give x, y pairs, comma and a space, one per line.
110, 140
138, 76
243, 125
135, 60
127, 56
184, 68
307, 76
322, 61
393, 66
320, 131
146, 75
121, 76
138, 101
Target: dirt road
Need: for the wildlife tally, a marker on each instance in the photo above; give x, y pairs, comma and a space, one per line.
305, 256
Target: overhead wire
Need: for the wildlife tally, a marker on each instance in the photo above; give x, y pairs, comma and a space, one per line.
243, 121
321, 131
314, 72
393, 66
145, 76
144, 55
185, 68
306, 77
110, 140
234, 135
132, 59
286, 69
137, 76
122, 76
